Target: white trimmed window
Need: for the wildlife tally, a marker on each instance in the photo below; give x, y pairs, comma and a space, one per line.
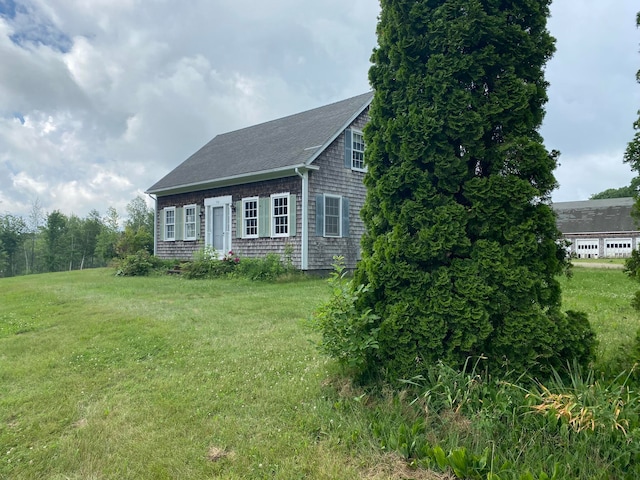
170, 223
280, 215
357, 150
332, 216
250, 217
190, 222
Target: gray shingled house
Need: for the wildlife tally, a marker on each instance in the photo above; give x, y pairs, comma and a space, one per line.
598, 228
294, 183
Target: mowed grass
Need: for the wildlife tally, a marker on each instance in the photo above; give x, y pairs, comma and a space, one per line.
103, 377
605, 295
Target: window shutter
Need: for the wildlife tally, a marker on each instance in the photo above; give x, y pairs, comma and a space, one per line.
239, 215
208, 222
319, 215
345, 217
292, 216
264, 217
347, 148
198, 221
163, 215
179, 219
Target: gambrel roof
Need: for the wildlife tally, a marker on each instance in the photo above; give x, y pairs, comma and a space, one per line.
595, 216
267, 150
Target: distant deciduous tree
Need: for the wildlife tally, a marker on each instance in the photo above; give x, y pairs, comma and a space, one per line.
34, 223
12, 236
629, 191
55, 231
138, 231
107, 239
632, 153
140, 215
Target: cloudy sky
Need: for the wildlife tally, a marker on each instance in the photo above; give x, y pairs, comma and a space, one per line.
101, 98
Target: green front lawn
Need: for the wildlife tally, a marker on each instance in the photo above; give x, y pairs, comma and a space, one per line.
105, 377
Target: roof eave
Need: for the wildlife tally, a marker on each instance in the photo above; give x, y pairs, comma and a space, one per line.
241, 179
610, 232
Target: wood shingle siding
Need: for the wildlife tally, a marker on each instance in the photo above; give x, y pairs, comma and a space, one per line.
245, 247
335, 177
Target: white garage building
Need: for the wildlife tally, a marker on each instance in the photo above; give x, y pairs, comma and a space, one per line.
599, 228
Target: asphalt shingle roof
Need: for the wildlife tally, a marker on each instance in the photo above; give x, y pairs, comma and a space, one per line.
286, 142
591, 216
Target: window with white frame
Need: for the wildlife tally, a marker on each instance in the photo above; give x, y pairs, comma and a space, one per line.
357, 150
332, 217
250, 217
190, 222
170, 223
280, 215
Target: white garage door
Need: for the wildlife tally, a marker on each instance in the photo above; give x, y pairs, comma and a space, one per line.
617, 247
587, 248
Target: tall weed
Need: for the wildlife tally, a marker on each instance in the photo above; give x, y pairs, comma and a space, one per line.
475, 426
348, 335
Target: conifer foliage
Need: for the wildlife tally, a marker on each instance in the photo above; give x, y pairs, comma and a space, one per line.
462, 251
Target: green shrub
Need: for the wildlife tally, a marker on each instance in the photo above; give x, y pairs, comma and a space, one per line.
268, 268
579, 341
141, 263
632, 269
632, 265
206, 264
348, 335
635, 301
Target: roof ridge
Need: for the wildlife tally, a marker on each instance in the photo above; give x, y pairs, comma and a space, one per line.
290, 116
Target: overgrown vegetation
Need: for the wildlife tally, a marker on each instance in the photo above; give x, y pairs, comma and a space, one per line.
481, 427
207, 265
348, 335
141, 264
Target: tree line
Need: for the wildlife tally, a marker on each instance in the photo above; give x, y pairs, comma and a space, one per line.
53, 242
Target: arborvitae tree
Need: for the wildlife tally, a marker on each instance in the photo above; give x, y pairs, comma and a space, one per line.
461, 251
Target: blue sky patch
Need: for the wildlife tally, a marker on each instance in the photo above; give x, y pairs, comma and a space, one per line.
7, 8
32, 27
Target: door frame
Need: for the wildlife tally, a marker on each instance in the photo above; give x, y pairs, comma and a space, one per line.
209, 204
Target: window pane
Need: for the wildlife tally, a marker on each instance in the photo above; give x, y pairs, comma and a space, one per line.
251, 218
280, 215
357, 151
332, 216
190, 215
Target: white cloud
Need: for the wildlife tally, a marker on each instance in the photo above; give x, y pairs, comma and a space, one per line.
23, 182
584, 175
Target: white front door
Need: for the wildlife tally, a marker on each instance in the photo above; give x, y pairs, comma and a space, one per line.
218, 224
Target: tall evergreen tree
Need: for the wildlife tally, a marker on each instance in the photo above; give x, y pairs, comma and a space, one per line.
461, 250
